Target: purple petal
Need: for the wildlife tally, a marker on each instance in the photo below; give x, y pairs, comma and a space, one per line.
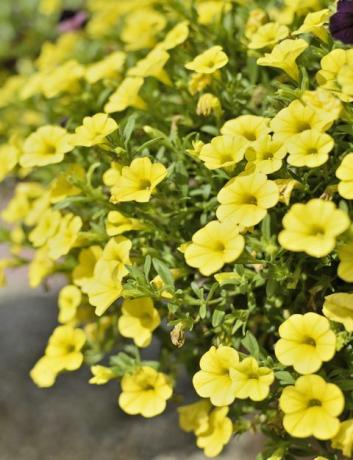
341, 27
345, 6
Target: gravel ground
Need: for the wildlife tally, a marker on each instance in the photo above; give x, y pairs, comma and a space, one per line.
74, 420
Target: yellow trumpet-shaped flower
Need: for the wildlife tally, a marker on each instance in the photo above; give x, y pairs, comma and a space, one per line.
47, 145
245, 200
101, 375
344, 438
108, 68
94, 130
313, 227
311, 408
145, 392
65, 346
175, 37
345, 174
194, 417
152, 66
139, 319
266, 154
309, 148
213, 246
250, 127
117, 224
345, 268
45, 372
46, 228
84, 270
69, 299
223, 151
298, 118
306, 342
251, 381
127, 95
115, 257
284, 56
339, 307
138, 181
103, 290
268, 35
214, 380
314, 23
209, 61
218, 433
65, 236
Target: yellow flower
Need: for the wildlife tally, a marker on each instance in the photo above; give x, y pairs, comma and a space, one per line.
214, 380
298, 118
250, 127
152, 66
108, 68
211, 10
345, 174
139, 319
218, 433
266, 155
145, 392
311, 408
223, 151
69, 299
213, 246
251, 381
94, 130
345, 268
194, 417
62, 186
313, 227
45, 371
103, 290
40, 267
176, 36
314, 23
244, 200
115, 257
209, 61
198, 82
47, 145
256, 18
141, 27
65, 237
117, 224
331, 66
268, 35
112, 174
138, 180
46, 228
309, 148
207, 104
323, 102
9, 156
345, 80
127, 95
339, 308
306, 342
64, 78
286, 187
65, 347
84, 270
101, 375
284, 56
344, 438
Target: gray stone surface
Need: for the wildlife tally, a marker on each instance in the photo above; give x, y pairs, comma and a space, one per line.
74, 420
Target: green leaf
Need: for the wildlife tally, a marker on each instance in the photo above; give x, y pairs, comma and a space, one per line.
250, 343
164, 272
147, 266
284, 377
217, 317
129, 128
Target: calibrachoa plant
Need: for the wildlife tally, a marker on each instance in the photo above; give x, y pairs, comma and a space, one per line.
187, 166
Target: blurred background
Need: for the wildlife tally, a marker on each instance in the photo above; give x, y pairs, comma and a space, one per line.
73, 420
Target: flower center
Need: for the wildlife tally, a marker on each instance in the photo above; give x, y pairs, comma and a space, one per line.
303, 126
219, 246
267, 155
316, 230
309, 341
314, 403
250, 135
49, 149
145, 184
249, 199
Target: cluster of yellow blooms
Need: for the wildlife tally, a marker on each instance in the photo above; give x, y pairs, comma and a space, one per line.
162, 142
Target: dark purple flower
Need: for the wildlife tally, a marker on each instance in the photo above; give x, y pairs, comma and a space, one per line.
341, 23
